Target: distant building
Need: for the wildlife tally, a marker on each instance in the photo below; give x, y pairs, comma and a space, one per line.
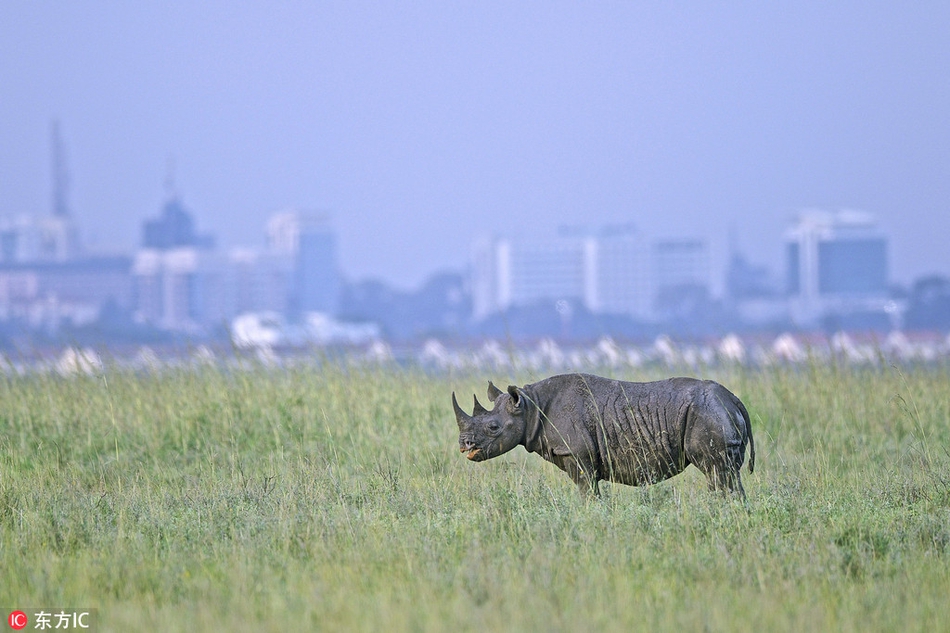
752, 295
745, 280
262, 280
484, 280
535, 270
603, 270
45, 293
180, 283
193, 290
307, 239
183, 289
174, 228
38, 239
617, 272
681, 276
836, 263
521, 272
45, 279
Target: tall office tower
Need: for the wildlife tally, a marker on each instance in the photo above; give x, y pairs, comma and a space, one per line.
309, 240
835, 263
484, 278
56, 236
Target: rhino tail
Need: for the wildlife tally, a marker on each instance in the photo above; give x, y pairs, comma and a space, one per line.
748, 426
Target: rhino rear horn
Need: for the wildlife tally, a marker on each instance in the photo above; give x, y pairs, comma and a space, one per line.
479, 409
493, 391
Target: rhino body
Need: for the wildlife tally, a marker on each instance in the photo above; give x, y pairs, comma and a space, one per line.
632, 433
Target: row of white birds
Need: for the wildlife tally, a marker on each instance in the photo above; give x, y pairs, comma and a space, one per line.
730, 349
545, 354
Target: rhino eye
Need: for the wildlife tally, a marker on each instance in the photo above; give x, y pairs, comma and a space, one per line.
493, 426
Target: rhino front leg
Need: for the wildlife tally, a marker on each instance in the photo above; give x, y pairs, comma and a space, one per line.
583, 476
590, 490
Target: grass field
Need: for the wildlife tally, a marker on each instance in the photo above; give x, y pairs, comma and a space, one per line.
335, 498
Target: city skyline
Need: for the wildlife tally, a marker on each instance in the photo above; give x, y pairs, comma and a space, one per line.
436, 125
153, 230
175, 203
588, 281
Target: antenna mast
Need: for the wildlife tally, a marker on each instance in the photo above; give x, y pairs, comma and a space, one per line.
170, 192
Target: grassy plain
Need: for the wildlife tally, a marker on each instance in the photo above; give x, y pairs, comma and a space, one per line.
334, 498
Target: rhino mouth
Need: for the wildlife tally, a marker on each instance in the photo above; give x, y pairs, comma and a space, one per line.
475, 455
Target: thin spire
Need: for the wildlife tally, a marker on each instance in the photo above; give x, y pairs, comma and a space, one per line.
60, 175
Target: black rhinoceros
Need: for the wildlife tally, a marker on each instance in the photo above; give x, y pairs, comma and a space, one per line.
633, 433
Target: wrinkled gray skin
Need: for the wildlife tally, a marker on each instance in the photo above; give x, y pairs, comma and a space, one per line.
633, 433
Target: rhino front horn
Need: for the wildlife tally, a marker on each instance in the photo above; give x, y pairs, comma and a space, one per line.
460, 416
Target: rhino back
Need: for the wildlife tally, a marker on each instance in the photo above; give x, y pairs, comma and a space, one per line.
634, 431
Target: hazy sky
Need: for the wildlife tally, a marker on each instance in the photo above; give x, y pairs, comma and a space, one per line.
422, 125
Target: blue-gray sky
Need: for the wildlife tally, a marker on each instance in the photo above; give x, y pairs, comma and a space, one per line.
421, 125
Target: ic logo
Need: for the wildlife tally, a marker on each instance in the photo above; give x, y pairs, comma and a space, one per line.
17, 620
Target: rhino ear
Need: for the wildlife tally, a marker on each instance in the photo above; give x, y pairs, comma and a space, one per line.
493, 391
516, 403
479, 409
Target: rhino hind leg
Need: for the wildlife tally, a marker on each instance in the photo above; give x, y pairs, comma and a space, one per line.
722, 471
725, 479
716, 444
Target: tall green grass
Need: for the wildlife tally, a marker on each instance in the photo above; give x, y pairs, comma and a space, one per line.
334, 498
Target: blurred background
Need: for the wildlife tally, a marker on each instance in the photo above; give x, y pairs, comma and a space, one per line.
301, 173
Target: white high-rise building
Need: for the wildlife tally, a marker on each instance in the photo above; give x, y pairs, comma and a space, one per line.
603, 270
542, 270
621, 283
485, 278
